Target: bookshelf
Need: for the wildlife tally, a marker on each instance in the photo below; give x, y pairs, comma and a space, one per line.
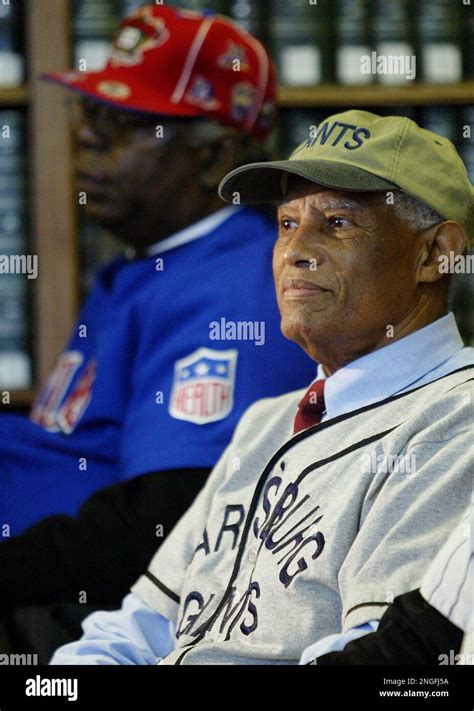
14, 96
416, 95
53, 223
52, 233
20, 399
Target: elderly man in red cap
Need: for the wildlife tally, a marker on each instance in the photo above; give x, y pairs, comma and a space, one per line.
177, 339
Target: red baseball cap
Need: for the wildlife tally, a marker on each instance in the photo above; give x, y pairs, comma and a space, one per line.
174, 62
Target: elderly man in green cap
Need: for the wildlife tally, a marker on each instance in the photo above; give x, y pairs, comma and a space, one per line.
328, 504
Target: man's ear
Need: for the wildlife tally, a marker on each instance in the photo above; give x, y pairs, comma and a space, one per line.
441, 243
217, 159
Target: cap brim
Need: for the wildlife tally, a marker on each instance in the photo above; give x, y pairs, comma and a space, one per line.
139, 97
259, 183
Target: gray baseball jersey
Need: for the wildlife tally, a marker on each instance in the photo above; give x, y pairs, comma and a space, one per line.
297, 537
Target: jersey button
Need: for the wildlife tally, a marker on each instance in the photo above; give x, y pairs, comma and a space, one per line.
252, 555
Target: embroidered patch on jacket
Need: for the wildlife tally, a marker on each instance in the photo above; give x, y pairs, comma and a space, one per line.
203, 386
45, 408
77, 402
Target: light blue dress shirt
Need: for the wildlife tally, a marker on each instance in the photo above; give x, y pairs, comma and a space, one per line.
136, 634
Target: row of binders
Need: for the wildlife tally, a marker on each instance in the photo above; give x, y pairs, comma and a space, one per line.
348, 42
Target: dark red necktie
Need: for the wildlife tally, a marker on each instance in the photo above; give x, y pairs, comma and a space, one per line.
311, 407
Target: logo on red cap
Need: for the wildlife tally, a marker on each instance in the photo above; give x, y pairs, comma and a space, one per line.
242, 100
202, 94
234, 58
114, 89
135, 39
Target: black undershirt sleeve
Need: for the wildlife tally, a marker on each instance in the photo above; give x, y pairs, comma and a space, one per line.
103, 549
410, 632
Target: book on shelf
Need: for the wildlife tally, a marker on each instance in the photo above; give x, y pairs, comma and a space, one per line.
352, 32
465, 140
128, 6
353, 42
442, 120
440, 33
457, 124
393, 36
399, 110
296, 126
251, 15
300, 41
12, 59
218, 6
94, 23
467, 23
17, 267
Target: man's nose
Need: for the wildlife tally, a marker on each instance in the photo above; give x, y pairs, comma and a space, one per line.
87, 136
303, 249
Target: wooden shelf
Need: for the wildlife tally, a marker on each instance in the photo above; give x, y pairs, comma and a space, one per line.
375, 95
17, 96
19, 398
334, 95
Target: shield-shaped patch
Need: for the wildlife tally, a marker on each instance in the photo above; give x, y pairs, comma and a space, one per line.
203, 386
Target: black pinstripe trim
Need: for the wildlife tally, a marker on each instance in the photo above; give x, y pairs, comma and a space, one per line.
178, 661
367, 604
357, 445
457, 386
458, 595
162, 587
447, 562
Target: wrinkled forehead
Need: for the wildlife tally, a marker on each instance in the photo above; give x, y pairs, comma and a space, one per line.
321, 196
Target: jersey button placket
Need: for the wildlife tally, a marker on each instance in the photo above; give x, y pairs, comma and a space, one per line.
252, 555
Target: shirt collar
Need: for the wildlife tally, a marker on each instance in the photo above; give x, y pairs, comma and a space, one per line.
189, 234
391, 369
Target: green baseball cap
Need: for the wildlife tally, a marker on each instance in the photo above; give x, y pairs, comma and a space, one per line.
361, 151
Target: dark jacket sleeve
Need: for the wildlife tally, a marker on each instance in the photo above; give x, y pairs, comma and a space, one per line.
103, 549
410, 632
